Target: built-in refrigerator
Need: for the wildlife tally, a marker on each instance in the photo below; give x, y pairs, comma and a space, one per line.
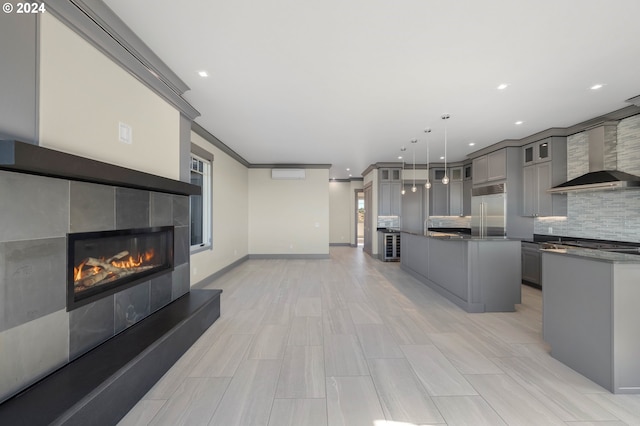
488, 211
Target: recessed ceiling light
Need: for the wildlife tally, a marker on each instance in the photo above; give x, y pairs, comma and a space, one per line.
350, 175
596, 86
442, 158
203, 74
472, 143
519, 123
348, 169
503, 86
399, 157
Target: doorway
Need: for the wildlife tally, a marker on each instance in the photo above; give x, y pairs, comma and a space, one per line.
359, 217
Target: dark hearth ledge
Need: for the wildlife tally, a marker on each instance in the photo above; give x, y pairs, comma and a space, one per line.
22, 157
101, 386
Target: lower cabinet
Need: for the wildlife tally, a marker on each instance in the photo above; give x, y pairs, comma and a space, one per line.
531, 264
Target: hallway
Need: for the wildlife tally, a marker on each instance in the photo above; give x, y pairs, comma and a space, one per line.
354, 341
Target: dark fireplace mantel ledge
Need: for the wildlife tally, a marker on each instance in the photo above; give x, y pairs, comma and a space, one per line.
16, 156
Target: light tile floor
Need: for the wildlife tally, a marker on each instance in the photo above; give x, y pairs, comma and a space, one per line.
354, 341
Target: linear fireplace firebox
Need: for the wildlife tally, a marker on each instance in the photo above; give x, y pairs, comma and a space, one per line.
102, 263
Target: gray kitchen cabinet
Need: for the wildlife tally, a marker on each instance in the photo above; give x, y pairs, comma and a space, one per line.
389, 199
438, 194
389, 187
490, 167
456, 201
537, 152
480, 169
531, 263
412, 209
390, 175
497, 165
540, 175
467, 185
439, 199
590, 317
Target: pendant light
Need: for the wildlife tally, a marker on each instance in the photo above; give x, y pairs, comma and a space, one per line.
414, 142
402, 191
445, 179
427, 183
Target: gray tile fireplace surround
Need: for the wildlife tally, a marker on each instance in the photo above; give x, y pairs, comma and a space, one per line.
38, 335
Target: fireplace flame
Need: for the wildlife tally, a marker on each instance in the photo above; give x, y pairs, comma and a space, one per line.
93, 271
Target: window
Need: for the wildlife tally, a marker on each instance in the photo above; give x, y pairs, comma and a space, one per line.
201, 204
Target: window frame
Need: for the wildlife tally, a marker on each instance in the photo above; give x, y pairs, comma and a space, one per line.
201, 156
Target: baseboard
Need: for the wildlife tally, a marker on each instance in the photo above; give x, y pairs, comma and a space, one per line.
290, 256
208, 280
340, 244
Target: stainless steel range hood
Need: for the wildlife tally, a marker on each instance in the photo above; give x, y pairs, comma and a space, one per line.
603, 164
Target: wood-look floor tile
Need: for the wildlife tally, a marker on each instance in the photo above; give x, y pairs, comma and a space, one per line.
269, 342
377, 342
352, 401
566, 402
278, 314
305, 331
244, 321
250, 394
511, 401
302, 374
343, 356
223, 358
338, 321
438, 376
299, 412
142, 413
402, 396
352, 285
405, 331
193, 403
364, 313
467, 410
308, 307
463, 355
624, 407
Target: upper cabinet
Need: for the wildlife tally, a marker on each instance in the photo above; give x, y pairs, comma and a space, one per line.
490, 167
390, 175
389, 203
451, 199
537, 152
545, 165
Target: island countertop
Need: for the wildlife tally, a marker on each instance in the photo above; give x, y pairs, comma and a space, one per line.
457, 236
597, 255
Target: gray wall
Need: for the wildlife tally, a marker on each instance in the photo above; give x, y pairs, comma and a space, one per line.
18, 77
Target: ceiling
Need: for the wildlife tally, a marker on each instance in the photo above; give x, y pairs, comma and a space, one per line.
350, 82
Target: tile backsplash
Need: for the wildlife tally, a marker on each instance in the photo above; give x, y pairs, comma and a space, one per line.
607, 215
449, 222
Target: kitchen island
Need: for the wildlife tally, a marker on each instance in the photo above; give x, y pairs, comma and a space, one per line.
590, 318
477, 274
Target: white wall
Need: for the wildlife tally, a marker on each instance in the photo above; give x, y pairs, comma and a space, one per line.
83, 97
341, 200
229, 214
288, 216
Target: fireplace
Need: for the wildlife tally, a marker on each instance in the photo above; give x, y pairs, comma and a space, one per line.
105, 262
